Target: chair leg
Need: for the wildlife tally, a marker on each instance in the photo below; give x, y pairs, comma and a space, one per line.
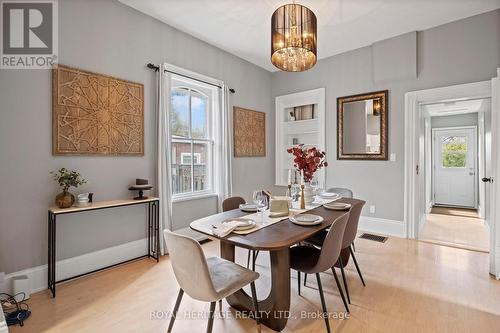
211, 317
340, 289
357, 268
255, 306
298, 282
254, 259
344, 279
323, 304
176, 308
354, 248
305, 279
220, 306
248, 259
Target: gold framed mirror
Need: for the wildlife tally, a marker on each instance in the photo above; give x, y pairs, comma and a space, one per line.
362, 126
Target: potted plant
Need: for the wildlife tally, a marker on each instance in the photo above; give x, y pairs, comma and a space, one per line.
307, 161
67, 179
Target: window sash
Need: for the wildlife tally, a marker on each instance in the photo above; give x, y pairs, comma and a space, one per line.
192, 141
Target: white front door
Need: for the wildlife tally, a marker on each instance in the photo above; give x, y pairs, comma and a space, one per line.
455, 166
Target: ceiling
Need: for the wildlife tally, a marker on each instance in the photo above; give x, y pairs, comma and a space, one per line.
242, 27
455, 107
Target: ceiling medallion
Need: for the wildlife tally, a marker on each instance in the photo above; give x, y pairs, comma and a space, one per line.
293, 38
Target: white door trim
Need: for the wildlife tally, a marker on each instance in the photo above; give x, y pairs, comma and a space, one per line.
476, 179
414, 194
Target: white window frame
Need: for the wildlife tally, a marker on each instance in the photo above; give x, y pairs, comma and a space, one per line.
210, 92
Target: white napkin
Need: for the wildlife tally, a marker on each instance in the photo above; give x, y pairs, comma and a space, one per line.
224, 229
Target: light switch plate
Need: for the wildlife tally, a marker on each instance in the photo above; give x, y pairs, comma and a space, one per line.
393, 157
372, 209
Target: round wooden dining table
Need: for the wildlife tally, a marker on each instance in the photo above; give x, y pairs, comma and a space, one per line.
277, 239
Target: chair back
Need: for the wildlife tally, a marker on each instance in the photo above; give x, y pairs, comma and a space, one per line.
232, 203
332, 245
344, 192
190, 266
351, 228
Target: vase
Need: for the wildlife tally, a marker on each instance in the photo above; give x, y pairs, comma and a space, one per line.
308, 193
65, 199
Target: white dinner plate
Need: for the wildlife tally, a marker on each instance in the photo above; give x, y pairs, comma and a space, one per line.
251, 208
294, 220
337, 206
249, 223
307, 218
329, 195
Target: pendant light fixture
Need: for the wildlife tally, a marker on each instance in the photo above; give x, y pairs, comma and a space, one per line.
293, 38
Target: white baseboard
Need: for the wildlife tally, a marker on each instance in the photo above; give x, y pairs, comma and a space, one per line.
81, 264
382, 226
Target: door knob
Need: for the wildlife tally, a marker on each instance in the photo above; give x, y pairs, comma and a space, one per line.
487, 180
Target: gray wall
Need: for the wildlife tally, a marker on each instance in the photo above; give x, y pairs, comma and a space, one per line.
106, 37
455, 53
467, 119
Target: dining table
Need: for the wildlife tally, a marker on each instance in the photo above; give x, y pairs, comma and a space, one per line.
276, 238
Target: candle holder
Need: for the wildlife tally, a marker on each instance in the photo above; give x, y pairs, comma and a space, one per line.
302, 199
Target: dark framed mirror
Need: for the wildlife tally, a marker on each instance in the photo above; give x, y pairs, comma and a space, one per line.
362, 126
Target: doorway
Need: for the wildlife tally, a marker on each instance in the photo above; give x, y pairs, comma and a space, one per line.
453, 156
418, 198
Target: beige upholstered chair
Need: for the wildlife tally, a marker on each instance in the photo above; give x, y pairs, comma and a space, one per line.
205, 279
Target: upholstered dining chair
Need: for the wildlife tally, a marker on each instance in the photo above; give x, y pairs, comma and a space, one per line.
234, 203
206, 279
349, 236
311, 260
343, 192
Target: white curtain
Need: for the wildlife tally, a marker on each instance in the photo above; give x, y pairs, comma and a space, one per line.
223, 149
163, 154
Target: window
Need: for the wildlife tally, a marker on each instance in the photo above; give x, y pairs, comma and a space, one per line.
454, 151
192, 138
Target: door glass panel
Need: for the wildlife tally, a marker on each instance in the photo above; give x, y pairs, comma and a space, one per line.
454, 151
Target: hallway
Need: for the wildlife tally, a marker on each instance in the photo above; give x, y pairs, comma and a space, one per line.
455, 227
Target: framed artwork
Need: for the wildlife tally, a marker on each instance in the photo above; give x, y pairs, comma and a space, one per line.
96, 114
249, 131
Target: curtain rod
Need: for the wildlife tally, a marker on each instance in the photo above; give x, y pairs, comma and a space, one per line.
156, 68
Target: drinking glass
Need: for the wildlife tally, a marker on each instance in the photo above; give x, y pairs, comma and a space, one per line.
257, 197
262, 207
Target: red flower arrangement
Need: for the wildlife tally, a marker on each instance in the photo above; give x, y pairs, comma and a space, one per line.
308, 160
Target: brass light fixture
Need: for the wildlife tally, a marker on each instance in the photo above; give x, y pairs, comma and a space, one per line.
293, 38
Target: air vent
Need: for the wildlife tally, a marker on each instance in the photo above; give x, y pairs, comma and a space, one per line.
375, 238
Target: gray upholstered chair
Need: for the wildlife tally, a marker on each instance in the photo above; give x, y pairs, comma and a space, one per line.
234, 203
311, 260
344, 192
349, 236
205, 279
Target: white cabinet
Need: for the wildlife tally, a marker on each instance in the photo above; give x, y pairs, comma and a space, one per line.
308, 128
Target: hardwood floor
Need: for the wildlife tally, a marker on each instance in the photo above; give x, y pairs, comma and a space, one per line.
456, 227
411, 287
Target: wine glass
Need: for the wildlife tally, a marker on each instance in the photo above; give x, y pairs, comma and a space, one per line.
262, 206
257, 197
295, 191
315, 184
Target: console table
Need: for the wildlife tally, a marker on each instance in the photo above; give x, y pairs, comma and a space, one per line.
153, 233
